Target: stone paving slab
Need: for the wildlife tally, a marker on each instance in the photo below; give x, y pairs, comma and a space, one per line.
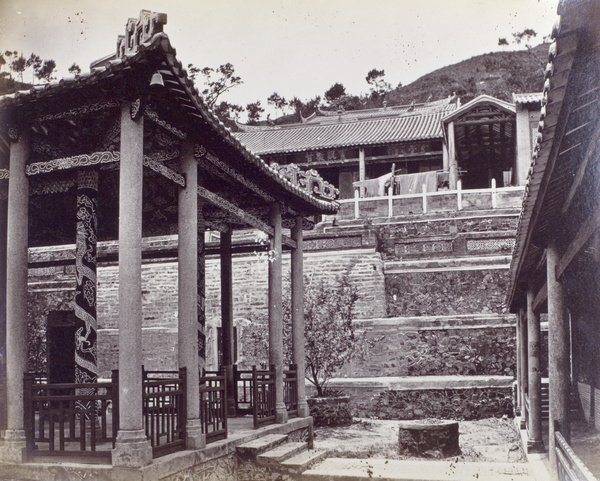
348, 469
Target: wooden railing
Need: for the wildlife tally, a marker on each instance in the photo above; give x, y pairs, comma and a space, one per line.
165, 410
75, 419
427, 202
290, 390
263, 396
244, 390
569, 466
213, 405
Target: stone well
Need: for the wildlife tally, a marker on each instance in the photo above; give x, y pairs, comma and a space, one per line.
429, 438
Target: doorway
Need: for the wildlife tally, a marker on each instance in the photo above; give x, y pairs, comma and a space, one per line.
60, 345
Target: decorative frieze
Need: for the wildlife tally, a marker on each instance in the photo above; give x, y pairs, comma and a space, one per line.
332, 243
78, 111
84, 160
491, 245
413, 248
164, 171
4, 174
152, 115
206, 158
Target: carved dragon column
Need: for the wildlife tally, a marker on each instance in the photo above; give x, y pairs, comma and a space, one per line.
86, 365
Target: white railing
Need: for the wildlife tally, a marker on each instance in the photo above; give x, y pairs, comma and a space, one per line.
429, 202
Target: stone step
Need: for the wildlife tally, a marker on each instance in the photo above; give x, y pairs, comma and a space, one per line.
252, 449
274, 457
303, 461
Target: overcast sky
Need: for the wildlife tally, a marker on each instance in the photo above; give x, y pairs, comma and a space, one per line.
295, 47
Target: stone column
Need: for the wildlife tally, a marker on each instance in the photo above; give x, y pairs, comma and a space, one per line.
86, 352
276, 313
559, 354
3, 217
201, 324
187, 330
523, 377
132, 447
298, 355
12, 450
535, 444
227, 339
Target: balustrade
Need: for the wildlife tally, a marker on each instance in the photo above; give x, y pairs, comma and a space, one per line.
79, 419
213, 405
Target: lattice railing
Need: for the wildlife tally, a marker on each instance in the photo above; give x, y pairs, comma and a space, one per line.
165, 410
263, 396
213, 405
68, 418
290, 389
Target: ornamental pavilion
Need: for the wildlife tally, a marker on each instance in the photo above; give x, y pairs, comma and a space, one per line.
555, 269
120, 155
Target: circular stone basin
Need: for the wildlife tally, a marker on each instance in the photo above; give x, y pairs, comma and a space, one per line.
429, 438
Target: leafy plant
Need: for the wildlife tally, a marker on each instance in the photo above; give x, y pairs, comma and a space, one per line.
331, 340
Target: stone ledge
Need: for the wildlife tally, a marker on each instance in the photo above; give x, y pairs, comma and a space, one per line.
422, 383
442, 322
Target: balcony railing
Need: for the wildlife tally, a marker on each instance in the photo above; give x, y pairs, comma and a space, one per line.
70, 419
430, 202
165, 410
213, 406
290, 390
263, 396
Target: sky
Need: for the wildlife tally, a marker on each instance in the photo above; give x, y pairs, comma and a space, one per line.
293, 47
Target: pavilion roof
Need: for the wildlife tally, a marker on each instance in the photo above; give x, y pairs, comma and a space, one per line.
351, 129
156, 54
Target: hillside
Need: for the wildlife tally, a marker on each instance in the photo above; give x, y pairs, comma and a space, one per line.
498, 74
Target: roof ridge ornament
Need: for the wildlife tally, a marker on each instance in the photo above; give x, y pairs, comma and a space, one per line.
310, 181
139, 31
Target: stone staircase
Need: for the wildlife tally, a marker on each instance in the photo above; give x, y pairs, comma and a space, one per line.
278, 454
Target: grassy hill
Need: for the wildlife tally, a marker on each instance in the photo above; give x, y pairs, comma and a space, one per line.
498, 74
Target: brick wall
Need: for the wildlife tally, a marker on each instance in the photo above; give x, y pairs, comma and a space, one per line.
446, 292
403, 348
52, 288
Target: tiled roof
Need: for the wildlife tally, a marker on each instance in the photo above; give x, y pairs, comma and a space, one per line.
558, 76
188, 96
528, 98
344, 131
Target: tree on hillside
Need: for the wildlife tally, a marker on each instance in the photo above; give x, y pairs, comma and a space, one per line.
75, 69
334, 92
227, 113
305, 109
277, 101
216, 81
379, 87
46, 70
35, 62
18, 66
254, 112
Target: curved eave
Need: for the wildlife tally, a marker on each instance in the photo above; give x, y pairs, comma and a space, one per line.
191, 102
558, 72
